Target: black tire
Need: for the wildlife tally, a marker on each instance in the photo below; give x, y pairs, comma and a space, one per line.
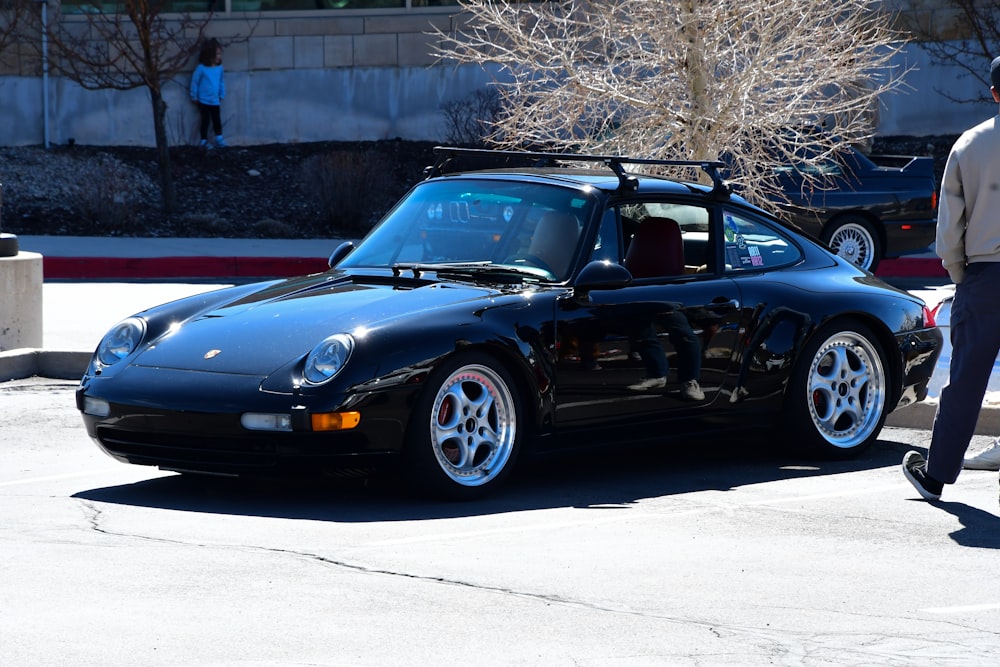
8, 245
466, 430
838, 397
855, 239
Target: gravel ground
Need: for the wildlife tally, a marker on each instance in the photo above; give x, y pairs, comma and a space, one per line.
268, 191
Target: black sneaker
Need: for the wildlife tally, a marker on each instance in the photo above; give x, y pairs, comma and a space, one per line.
915, 470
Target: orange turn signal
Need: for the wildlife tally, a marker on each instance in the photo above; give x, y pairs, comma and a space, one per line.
335, 421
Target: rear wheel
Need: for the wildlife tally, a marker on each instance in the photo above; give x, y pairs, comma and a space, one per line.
856, 240
466, 431
837, 401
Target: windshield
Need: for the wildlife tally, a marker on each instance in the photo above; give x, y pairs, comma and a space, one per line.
532, 227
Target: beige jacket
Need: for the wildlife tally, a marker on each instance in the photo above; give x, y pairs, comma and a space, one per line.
968, 225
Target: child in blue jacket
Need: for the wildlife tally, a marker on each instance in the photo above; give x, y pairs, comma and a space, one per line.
208, 89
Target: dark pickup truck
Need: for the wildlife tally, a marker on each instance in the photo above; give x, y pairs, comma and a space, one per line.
869, 207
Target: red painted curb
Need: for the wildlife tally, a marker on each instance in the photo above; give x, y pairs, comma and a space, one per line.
78, 268
914, 267
105, 268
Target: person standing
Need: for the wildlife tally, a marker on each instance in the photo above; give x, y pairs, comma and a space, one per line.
968, 243
208, 89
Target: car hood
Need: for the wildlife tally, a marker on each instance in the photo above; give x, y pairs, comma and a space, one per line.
267, 329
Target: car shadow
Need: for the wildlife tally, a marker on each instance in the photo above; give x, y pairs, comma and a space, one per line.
601, 479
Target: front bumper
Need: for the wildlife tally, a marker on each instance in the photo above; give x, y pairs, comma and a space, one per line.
191, 422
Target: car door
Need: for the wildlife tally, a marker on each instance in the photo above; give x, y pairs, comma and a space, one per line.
626, 354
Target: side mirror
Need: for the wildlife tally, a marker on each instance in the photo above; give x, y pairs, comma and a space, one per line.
342, 251
602, 274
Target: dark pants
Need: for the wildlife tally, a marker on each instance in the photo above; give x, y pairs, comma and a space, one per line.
975, 342
211, 113
685, 343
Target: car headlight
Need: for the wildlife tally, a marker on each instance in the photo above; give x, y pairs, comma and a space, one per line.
327, 358
121, 341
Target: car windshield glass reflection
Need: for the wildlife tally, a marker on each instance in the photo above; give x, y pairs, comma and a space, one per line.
534, 229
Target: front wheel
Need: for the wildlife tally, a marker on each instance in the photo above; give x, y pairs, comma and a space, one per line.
465, 432
837, 401
853, 238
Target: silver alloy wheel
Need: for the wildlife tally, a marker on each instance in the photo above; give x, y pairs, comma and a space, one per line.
847, 389
854, 242
473, 425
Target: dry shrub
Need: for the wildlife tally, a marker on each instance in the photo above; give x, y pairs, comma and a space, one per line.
269, 228
109, 193
352, 193
203, 225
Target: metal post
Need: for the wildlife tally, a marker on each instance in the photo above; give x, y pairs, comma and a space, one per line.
8, 242
45, 72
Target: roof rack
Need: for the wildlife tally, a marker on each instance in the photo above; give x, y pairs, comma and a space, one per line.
626, 181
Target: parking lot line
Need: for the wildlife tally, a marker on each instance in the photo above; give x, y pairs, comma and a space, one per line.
51, 478
962, 609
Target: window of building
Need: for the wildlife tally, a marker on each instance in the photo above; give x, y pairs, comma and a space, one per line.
223, 6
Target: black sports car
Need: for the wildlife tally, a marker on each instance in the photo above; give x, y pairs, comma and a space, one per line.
869, 207
499, 312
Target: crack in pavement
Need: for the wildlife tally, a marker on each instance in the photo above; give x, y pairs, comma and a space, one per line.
781, 643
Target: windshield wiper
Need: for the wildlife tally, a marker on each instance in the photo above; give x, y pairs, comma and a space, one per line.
504, 273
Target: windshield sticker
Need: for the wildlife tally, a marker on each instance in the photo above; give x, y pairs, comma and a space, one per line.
730, 227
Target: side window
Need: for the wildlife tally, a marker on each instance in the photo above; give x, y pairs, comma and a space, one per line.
750, 245
607, 245
664, 239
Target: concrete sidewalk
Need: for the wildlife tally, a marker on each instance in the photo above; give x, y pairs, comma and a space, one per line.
92, 283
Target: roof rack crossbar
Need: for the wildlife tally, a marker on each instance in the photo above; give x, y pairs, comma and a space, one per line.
614, 162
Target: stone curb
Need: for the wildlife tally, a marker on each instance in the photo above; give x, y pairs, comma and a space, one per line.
28, 362
921, 416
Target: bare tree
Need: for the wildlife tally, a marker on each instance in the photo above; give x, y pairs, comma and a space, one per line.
130, 45
691, 79
13, 16
975, 47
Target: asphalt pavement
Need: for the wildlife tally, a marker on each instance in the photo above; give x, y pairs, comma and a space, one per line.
90, 283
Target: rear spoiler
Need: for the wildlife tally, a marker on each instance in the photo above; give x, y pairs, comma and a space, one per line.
904, 162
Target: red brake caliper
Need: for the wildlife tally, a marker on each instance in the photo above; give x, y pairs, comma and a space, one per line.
444, 412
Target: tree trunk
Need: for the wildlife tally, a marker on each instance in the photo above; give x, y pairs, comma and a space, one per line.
163, 152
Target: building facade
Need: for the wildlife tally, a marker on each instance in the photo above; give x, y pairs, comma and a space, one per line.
317, 70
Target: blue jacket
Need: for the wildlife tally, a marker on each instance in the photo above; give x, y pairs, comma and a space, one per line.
207, 85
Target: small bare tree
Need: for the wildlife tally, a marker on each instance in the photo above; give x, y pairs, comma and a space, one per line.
691, 79
976, 44
13, 16
130, 45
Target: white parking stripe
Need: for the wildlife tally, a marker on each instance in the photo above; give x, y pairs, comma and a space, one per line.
962, 609
50, 478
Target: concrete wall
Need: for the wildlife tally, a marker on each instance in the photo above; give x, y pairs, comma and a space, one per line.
290, 76
352, 75
260, 107
922, 109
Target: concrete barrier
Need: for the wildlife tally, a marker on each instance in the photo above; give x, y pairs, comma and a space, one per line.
21, 278
29, 362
